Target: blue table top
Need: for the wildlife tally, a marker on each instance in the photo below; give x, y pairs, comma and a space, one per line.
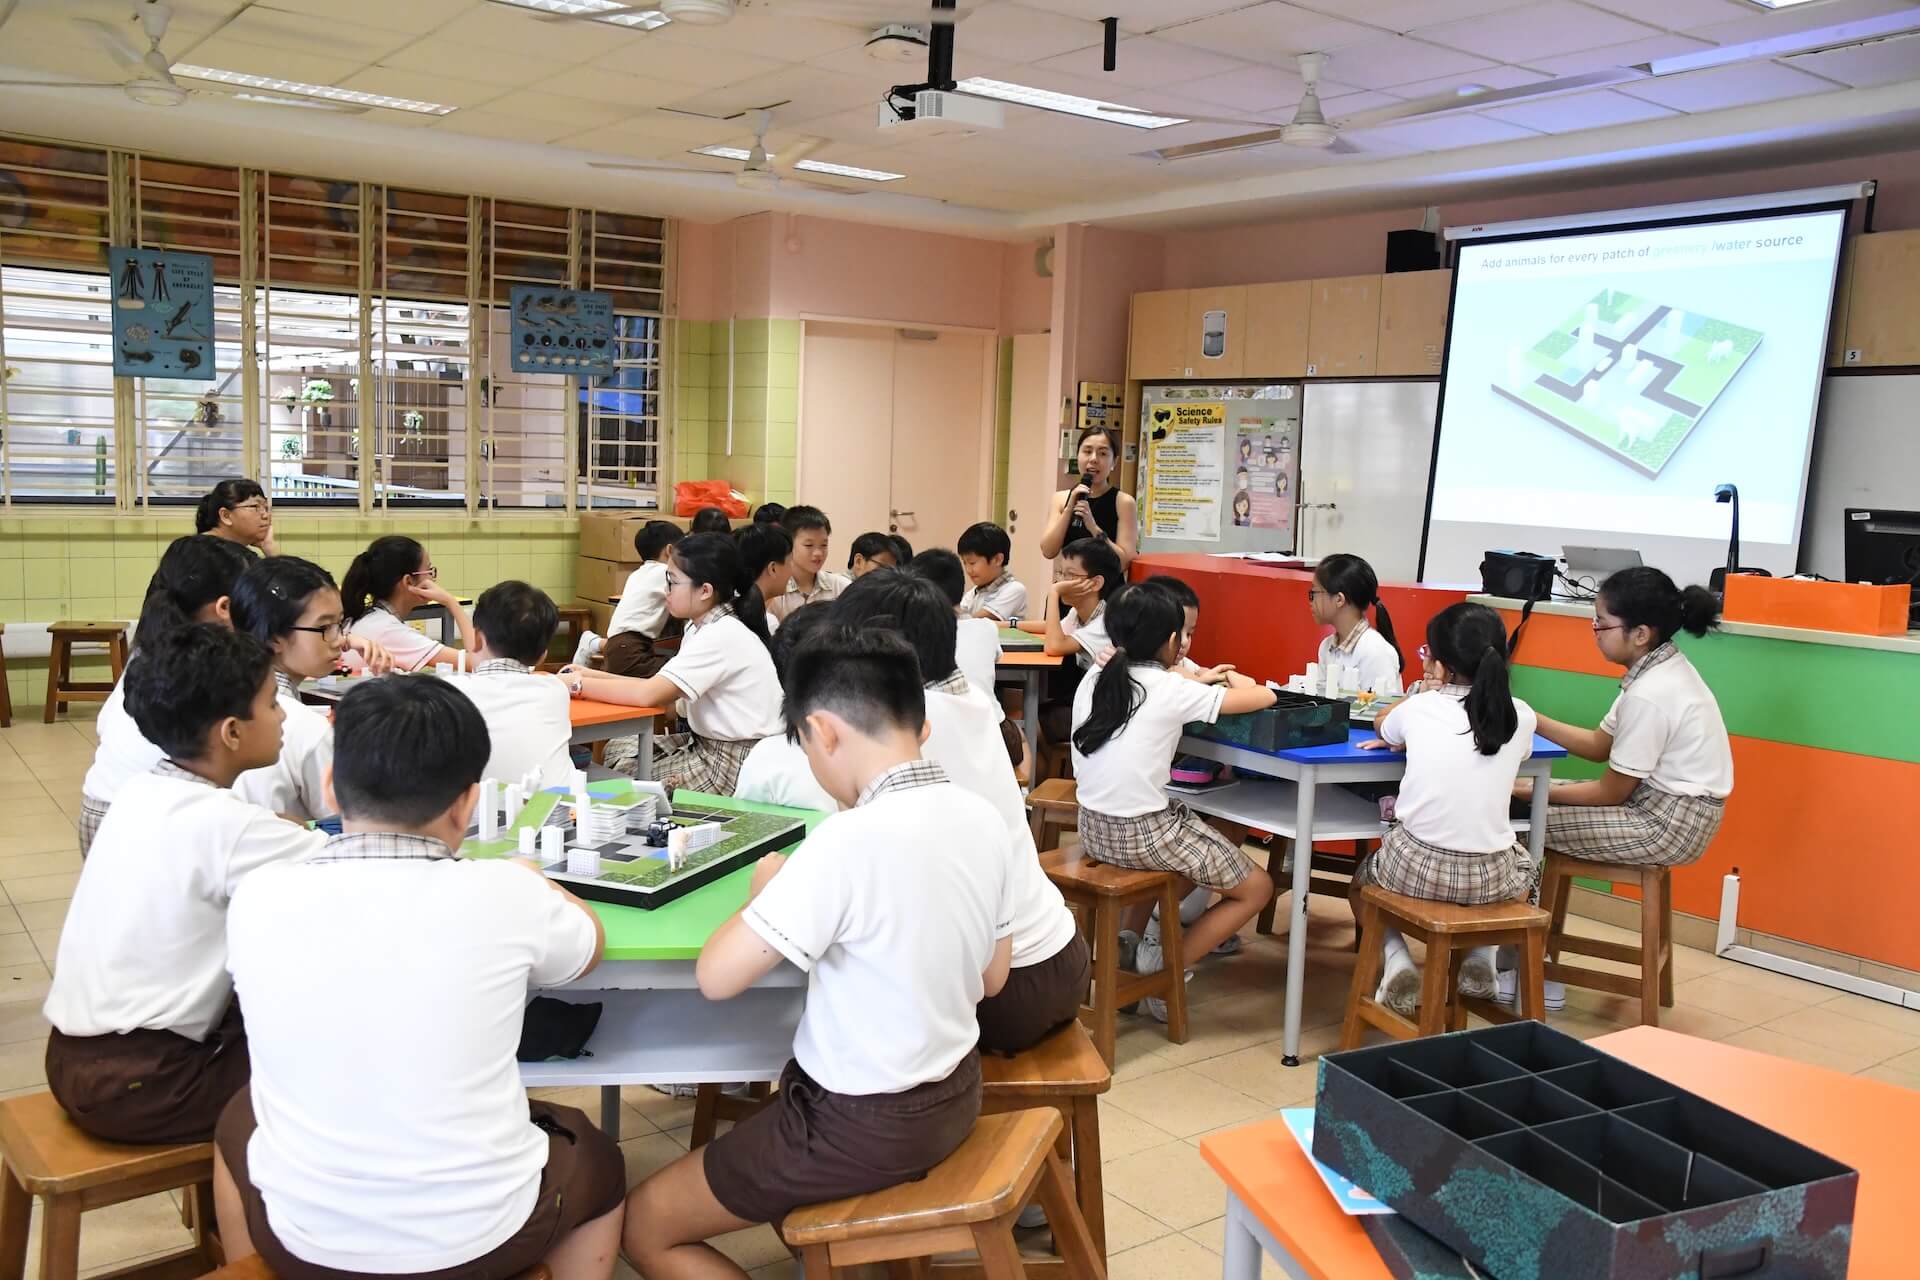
1349, 752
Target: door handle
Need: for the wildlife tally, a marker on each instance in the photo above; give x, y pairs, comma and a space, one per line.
897, 514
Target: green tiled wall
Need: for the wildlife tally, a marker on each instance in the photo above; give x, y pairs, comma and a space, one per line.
85, 567
766, 406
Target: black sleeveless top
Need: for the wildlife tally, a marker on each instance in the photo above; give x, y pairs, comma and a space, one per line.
1106, 514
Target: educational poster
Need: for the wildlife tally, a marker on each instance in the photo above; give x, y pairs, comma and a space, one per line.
1265, 464
1186, 446
562, 331
162, 314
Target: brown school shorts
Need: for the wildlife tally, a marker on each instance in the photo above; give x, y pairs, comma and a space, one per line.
632, 654
149, 1086
585, 1178
1037, 1000
809, 1144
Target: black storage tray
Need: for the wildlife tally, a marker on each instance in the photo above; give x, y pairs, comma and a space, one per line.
1294, 720
1537, 1157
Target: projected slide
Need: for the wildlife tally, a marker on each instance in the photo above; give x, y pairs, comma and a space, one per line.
1601, 384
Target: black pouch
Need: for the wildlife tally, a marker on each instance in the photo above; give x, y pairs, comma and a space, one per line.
556, 1029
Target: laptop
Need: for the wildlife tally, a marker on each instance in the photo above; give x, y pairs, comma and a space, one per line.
1588, 567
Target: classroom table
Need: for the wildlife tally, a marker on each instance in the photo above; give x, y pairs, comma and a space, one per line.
1309, 769
1276, 1203
1029, 668
655, 1026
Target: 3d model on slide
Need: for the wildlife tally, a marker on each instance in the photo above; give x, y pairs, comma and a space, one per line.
1628, 375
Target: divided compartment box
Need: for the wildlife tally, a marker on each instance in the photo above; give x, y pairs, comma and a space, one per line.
1295, 720
1537, 1157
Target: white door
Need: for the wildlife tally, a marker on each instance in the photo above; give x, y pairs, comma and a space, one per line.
1366, 449
1033, 461
846, 427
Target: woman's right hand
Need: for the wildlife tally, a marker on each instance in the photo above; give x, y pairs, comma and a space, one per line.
1083, 512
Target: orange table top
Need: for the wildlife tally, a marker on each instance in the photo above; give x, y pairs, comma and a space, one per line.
1868, 1124
585, 711
1027, 658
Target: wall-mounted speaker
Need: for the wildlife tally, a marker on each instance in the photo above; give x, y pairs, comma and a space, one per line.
1412, 251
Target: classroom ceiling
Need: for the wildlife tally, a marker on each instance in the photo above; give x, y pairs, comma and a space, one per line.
536, 101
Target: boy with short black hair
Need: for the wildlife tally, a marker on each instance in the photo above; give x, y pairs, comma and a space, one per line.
640, 620
976, 641
769, 512
387, 947
885, 1081
992, 590
147, 1042
810, 579
710, 520
526, 712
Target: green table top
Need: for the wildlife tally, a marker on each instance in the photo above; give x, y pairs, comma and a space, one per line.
1011, 638
678, 930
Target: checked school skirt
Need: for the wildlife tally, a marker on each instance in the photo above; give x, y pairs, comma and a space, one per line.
1654, 828
1171, 839
709, 765
1405, 863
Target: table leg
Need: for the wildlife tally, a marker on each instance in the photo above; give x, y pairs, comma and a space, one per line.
1542, 771
610, 1111
1297, 931
1030, 710
643, 759
1247, 1239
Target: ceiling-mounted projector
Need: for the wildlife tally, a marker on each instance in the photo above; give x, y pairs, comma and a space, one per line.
933, 112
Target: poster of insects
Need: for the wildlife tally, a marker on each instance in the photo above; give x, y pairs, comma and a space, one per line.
162, 314
562, 331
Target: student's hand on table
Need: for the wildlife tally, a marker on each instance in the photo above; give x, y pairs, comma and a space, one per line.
373, 654
1222, 674
574, 678
1234, 680
763, 871
1375, 744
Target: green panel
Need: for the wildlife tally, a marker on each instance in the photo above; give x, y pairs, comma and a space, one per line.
783, 337
780, 479
1598, 886
695, 335
750, 369
783, 439
749, 335
678, 930
1864, 702
783, 369
1569, 696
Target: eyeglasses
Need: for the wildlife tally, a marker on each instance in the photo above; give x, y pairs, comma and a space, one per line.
1599, 626
429, 572
674, 582
258, 504
330, 632
1424, 653
1315, 593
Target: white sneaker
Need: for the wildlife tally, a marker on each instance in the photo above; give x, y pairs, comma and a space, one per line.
1508, 985
590, 644
1230, 945
1149, 958
1033, 1217
1400, 986
1477, 977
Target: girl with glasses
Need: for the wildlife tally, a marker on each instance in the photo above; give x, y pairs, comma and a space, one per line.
387, 582
237, 511
1344, 587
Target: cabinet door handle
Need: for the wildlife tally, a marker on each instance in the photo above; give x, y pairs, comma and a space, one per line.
899, 513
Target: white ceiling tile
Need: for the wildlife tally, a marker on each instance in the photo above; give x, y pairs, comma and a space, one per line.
665, 127
763, 35
856, 126
686, 64
355, 42
1349, 104
223, 51
1721, 87
1886, 62
1677, 15
1537, 31
483, 124
1404, 15
806, 91
423, 85
1137, 16
416, 16
1256, 89
1575, 111
610, 87
1270, 31
472, 62
1781, 22
1392, 60
621, 141
1629, 54
1445, 133
1152, 63
1489, 77
514, 30
578, 112
1016, 33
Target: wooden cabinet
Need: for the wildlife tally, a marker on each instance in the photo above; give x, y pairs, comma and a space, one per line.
1157, 339
1343, 327
1413, 322
1883, 325
1276, 329
1217, 333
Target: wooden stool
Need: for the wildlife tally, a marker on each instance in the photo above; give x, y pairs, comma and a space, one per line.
254, 1267
966, 1202
1450, 932
1654, 955
1064, 1072
6, 695
45, 1155
62, 688
1053, 806
1100, 894
574, 623
1323, 860
712, 1105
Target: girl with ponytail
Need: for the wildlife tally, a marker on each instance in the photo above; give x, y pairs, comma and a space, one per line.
1465, 736
1127, 723
387, 582
194, 583
723, 668
1344, 588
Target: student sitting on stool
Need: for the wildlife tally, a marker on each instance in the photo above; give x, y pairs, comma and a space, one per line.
147, 1042
525, 710
641, 619
386, 1131
900, 912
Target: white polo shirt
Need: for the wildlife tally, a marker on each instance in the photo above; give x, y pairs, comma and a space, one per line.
893, 910
122, 753
727, 677
411, 649
1091, 635
1378, 661
1453, 796
145, 943
827, 585
1667, 729
384, 990
776, 772
1127, 776
643, 603
527, 720
976, 651
1005, 598
296, 783
964, 739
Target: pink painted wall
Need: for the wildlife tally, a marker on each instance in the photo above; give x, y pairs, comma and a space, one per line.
1110, 268
1355, 243
1026, 296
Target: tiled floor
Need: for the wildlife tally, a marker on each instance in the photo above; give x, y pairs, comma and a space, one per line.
1163, 1204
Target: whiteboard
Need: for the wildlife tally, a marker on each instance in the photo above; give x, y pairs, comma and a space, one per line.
1864, 455
1367, 447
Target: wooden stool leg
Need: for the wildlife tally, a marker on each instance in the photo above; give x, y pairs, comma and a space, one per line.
999, 1255
1666, 938
705, 1103
16, 1211
1433, 985
6, 694
1088, 1187
816, 1263
1276, 858
1649, 950
1106, 975
1533, 971
60, 1238
1366, 973
1456, 1006
1071, 1238
1173, 948
1555, 890
117, 654
56, 676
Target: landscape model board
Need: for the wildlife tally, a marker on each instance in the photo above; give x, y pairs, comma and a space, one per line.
633, 872
1629, 375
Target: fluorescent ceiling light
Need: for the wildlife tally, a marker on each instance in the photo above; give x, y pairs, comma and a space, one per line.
274, 84
1066, 103
1841, 35
1779, 4
645, 21
811, 166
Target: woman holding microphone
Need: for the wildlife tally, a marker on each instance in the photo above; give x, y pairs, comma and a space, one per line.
1093, 508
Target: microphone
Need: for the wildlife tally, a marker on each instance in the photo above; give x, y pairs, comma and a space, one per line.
1717, 583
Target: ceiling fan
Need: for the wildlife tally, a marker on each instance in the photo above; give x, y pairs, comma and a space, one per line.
151, 81
713, 13
759, 171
